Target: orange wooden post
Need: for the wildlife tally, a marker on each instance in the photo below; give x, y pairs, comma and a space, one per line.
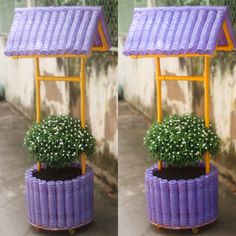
38, 100
159, 102
207, 108
82, 107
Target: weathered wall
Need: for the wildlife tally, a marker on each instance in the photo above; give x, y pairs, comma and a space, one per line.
137, 76
17, 78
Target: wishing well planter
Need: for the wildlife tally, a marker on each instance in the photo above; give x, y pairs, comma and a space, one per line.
59, 199
180, 204
59, 205
181, 141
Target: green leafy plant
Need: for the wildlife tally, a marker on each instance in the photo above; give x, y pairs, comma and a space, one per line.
181, 140
58, 141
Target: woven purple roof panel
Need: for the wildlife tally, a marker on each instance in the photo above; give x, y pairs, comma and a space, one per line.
55, 31
177, 30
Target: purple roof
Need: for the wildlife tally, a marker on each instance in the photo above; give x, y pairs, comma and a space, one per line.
56, 31
177, 30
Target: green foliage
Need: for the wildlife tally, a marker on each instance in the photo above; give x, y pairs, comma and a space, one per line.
181, 140
58, 141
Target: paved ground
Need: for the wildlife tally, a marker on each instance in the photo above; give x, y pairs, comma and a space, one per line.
13, 163
133, 160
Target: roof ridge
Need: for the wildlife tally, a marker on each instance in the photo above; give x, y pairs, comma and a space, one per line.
176, 8
59, 8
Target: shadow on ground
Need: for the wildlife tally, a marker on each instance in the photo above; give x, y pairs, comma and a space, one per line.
13, 164
133, 160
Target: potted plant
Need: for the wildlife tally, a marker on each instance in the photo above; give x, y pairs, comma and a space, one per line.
58, 197
180, 194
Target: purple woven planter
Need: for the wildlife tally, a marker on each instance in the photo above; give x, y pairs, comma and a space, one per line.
181, 203
59, 205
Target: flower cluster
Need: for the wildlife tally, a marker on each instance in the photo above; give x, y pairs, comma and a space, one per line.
181, 140
58, 141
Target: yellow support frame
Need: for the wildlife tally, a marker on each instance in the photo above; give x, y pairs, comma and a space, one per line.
81, 79
204, 79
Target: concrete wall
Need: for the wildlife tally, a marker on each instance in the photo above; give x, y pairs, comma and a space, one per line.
137, 76
17, 79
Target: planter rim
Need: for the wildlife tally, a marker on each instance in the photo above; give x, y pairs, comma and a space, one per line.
60, 229
33, 169
153, 168
183, 227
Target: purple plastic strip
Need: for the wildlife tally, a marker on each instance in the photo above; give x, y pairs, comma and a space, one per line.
137, 36
60, 204
91, 195
11, 36
147, 187
65, 31
183, 209
188, 29
38, 217
34, 32
57, 32
192, 204
69, 203
19, 33
157, 195
205, 32
216, 201
27, 194
174, 202
152, 197
163, 32
82, 199
76, 200
52, 204
44, 202
50, 32
26, 34
32, 209
90, 31
206, 198
165, 200
87, 199
81, 32
42, 32
73, 31
200, 200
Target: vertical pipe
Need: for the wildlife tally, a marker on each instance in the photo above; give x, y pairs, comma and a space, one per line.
159, 103
37, 85
207, 108
82, 106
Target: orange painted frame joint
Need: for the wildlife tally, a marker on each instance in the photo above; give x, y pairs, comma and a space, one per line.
104, 46
230, 45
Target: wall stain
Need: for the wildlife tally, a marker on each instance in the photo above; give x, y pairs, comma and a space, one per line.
174, 91
52, 91
111, 119
233, 124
